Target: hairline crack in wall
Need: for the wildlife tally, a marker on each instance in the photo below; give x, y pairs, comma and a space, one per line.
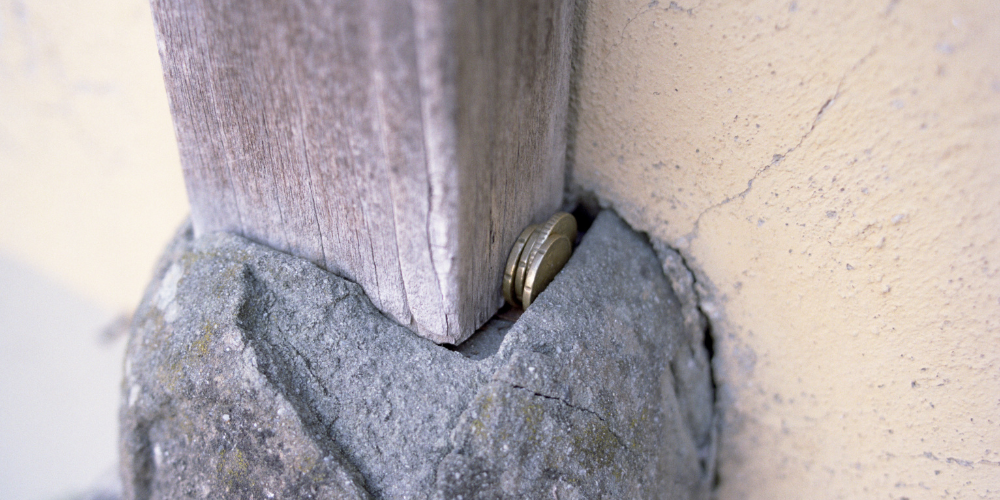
829, 171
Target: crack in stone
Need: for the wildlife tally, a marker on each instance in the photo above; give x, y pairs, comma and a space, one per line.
252, 315
309, 369
575, 407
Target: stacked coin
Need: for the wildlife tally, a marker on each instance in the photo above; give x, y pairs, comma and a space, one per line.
539, 253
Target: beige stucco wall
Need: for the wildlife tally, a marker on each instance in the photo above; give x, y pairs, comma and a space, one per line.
90, 192
832, 171
90, 181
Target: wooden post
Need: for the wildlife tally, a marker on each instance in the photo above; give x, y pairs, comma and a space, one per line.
403, 144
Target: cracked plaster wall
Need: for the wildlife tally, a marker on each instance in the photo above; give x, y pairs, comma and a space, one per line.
830, 170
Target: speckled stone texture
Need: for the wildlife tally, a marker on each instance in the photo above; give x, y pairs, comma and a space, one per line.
254, 374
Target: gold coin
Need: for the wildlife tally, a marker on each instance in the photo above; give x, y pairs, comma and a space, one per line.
545, 264
511, 268
522, 262
564, 224
560, 223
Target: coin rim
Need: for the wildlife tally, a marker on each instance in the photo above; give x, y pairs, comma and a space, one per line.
522, 263
560, 216
534, 243
528, 293
511, 267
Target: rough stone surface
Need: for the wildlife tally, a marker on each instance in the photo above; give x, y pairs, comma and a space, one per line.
254, 374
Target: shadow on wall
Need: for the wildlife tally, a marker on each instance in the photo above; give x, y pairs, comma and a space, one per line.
58, 387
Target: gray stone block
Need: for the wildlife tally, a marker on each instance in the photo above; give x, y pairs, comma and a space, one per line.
254, 374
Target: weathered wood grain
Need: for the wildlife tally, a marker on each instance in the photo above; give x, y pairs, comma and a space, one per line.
401, 144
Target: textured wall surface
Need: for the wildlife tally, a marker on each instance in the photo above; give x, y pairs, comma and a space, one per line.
90, 191
831, 171
90, 182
